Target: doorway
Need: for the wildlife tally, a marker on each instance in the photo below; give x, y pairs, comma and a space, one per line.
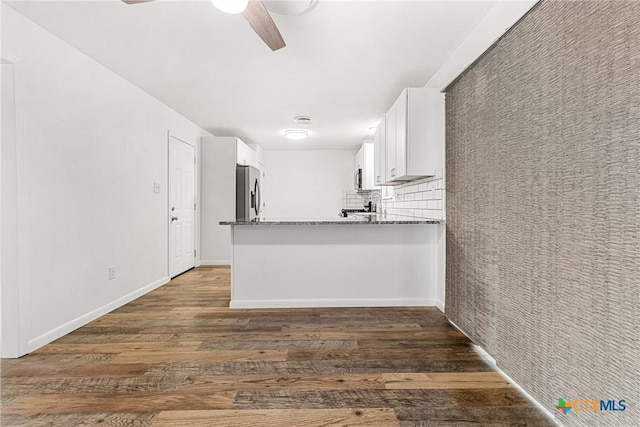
182, 206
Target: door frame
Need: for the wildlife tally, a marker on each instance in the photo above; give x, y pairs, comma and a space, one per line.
196, 191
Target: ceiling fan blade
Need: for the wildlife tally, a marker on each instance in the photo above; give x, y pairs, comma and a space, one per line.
136, 1
263, 24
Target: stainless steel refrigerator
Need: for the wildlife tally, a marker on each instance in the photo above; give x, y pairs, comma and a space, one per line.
248, 203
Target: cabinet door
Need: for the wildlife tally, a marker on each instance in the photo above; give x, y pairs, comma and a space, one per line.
401, 135
390, 166
257, 156
378, 154
368, 173
245, 155
242, 153
359, 160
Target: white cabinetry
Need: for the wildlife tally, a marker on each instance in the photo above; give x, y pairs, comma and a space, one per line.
258, 156
365, 160
379, 153
358, 161
390, 151
414, 131
245, 155
249, 154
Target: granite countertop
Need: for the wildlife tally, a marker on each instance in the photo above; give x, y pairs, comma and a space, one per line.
351, 220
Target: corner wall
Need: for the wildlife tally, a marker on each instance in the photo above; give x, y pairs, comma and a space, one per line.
89, 147
543, 205
218, 198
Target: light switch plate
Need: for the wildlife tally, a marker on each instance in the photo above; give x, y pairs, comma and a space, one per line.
156, 187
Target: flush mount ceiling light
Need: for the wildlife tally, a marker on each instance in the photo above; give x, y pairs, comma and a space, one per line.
231, 6
296, 133
302, 120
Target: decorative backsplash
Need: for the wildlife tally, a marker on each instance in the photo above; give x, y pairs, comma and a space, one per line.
417, 199
354, 200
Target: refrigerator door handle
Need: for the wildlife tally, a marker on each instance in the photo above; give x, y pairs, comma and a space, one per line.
256, 197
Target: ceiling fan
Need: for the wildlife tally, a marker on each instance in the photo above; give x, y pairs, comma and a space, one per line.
254, 12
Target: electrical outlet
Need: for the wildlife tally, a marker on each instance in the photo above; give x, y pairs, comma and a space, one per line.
112, 272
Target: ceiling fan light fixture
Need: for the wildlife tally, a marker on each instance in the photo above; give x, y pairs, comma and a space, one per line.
231, 6
296, 134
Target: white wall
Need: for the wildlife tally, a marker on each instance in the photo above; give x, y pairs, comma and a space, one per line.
218, 198
9, 296
306, 183
90, 145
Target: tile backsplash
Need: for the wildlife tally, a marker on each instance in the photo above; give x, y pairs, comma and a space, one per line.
417, 199
423, 198
354, 200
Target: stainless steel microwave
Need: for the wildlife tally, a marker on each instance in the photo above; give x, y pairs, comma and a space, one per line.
357, 180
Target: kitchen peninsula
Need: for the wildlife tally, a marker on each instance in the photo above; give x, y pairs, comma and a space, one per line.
337, 262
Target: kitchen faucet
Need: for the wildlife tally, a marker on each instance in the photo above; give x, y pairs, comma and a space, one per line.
373, 207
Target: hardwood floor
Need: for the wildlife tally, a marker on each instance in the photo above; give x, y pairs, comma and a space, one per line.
179, 357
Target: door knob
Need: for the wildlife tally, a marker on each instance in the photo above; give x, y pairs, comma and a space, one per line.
174, 218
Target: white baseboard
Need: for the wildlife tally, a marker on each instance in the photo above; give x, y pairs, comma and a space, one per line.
492, 362
207, 262
74, 324
304, 303
486, 356
440, 305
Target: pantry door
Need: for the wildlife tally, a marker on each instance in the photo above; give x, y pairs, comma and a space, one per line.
182, 206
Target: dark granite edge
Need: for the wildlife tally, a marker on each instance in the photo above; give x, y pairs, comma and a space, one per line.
337, 222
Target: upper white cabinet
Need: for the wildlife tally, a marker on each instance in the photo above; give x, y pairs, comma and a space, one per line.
414, 131
245, 156
249, 155
379, 153
364, 167
258, 156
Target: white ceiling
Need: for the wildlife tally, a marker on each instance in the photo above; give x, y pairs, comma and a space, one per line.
344, 64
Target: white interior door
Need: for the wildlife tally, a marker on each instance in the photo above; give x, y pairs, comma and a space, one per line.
182, 199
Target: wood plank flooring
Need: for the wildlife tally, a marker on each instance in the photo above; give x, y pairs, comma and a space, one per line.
179, 357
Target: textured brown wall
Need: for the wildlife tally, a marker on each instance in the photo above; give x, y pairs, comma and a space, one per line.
543, 205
